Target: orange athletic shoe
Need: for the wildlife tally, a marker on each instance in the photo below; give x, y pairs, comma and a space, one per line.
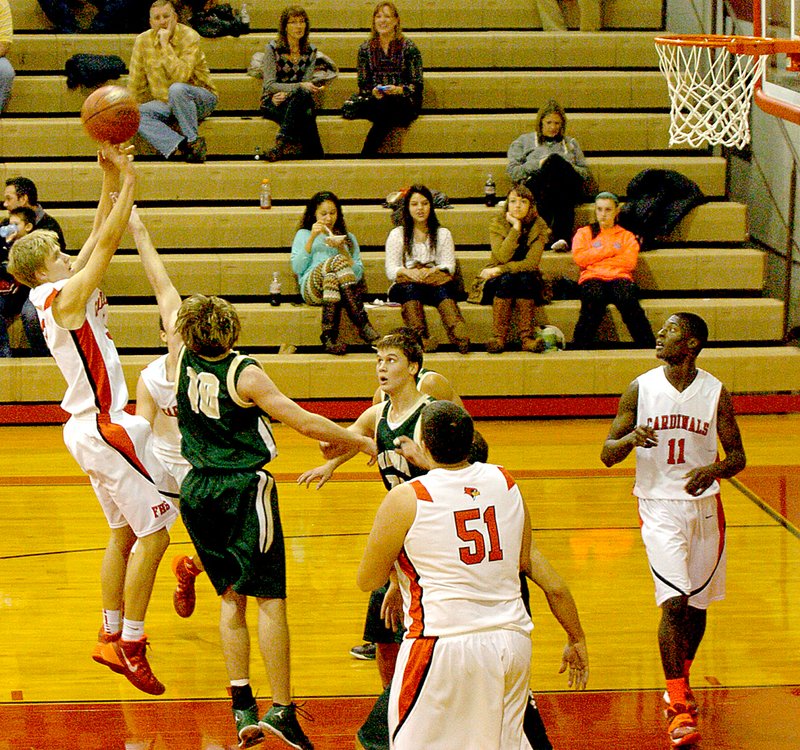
184, 597
104, 638
682, 726
130, 658
691, 703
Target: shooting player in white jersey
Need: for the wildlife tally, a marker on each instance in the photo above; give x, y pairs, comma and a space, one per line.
111, 446
673, 416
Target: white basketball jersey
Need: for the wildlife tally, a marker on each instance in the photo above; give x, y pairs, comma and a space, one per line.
166, 435
87, 357
459, 566
686, 425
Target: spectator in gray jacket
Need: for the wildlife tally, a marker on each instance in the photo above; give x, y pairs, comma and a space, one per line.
553, 167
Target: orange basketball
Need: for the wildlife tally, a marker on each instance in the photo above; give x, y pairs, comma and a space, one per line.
110, 114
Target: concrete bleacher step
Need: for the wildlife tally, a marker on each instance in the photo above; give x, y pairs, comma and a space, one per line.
21, 137
247, 227
356, 179
744, 370
440, 49
248, 274
490, 14
751, 319
450, 90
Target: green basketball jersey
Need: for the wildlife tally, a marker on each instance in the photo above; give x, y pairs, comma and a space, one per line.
219, 430
393, 467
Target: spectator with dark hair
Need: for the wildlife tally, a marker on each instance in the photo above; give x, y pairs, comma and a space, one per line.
170, 79
22, 192
551, 164
607, 255
389, 76
327, 262
288, 94
6, 69
14, 297
421, 264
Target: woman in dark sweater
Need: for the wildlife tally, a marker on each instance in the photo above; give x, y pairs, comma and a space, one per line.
390, 76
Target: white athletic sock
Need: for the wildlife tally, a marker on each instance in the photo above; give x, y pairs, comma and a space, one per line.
132, 630
111, 621
240, 683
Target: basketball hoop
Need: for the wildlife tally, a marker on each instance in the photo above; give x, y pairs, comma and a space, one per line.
711, 81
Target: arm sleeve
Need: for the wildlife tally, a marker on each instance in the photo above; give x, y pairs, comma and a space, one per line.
629, 255
137, 78
301, 260
355, 252
519, 168
412, 73
579, 160
365, 79
394, 253
181, 64
537, 239
503, 239
445, 250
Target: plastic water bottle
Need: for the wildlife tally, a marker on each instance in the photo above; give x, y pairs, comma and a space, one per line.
265, 196
258, 154
275, 290
490, 192
244, 15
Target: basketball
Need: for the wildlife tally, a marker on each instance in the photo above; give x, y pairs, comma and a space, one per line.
110, 114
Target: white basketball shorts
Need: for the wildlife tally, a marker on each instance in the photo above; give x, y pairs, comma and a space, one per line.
125, 475
685, 543
462, 691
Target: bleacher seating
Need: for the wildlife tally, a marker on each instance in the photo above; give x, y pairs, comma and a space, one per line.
483, 87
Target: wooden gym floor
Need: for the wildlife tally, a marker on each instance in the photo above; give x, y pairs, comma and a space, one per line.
747, 673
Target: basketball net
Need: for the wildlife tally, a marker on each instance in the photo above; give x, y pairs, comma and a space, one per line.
710, 90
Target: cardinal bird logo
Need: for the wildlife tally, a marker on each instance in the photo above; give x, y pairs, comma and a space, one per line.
473, 492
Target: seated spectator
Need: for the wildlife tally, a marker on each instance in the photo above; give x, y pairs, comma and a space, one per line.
518, 236
288, 94
552, 15
551, 164
171, 81
421, 264
14, 297
6, 69
389, 77
22, 192
327, 261
607, 255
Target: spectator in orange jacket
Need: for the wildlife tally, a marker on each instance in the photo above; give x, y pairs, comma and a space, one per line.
607, 255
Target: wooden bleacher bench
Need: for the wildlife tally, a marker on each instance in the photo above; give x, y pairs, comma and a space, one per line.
444, 90
247, 227
440, 49
229, 274
230, 135
351, 179
745, 370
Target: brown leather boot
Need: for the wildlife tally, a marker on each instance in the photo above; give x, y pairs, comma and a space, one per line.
351, 300
501, 320
413, 314
528, 339
331, 312
454, 325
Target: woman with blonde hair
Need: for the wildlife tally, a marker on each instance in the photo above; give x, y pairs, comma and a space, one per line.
389, 77
518, 236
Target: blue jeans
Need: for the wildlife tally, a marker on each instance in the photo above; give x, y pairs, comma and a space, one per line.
6, 79
188, 106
